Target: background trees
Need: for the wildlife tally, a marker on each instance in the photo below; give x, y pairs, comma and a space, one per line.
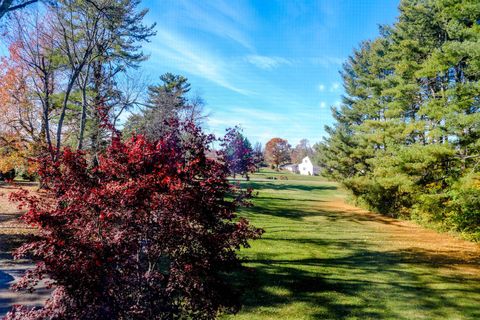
259, 159
406, 138
166, 101
21, 128
77, 54
238, 153
301, 150
277, 152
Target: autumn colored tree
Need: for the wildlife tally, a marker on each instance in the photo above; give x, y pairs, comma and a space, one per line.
14, 154
147, 234
277, 152
77, 53
238, 153
20, 127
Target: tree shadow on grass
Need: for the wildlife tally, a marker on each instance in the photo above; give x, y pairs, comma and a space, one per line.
300, 208
285, 186
361, 284
282, 211
263, 198
294, 211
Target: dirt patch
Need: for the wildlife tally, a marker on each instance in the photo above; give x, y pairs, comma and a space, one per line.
9, 212
419, 244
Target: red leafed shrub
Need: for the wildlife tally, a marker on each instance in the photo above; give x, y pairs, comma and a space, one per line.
147, 234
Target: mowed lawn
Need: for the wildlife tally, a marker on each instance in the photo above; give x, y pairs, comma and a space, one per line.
323, 259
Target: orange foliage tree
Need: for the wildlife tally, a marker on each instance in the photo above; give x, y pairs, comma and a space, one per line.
19, 125
277, 152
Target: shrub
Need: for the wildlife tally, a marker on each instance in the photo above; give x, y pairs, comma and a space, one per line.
147, 234
465, 206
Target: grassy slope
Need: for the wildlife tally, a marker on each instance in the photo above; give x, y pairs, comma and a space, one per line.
322, 259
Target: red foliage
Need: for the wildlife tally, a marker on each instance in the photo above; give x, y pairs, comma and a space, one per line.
148, 234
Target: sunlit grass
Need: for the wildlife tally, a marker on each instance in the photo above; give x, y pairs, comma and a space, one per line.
315, 262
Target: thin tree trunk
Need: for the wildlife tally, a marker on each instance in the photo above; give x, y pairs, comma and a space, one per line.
71, 82
46, 113
95, 135
83, 119
62, 117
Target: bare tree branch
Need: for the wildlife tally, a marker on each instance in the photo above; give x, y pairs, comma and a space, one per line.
8, 6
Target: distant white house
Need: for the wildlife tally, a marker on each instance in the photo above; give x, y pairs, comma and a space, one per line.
307, 168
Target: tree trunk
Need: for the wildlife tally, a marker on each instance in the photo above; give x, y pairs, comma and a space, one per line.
45, 115
97, 104
83, 119
71, 82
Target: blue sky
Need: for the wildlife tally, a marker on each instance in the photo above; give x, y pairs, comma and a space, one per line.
270, 66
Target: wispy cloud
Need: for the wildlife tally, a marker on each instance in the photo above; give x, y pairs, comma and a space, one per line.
271, 62
221, 18
323, 104
259, 114
194, 59
245, 117
266, 62
321, 87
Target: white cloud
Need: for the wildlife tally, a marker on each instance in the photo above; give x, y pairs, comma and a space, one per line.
266, 62
323, 104
191, 58
321, 87
334, 87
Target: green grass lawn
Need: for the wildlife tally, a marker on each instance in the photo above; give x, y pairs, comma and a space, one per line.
321, 260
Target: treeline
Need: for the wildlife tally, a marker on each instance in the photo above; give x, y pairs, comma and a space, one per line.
66, 73
70, 76
406, 137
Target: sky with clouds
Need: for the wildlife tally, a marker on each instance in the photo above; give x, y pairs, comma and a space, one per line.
270, 66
